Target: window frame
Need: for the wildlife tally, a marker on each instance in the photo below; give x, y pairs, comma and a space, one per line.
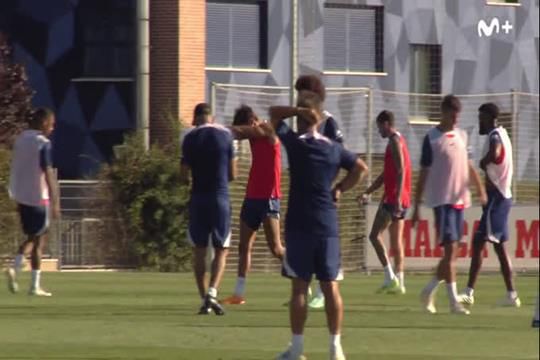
81, 44
264, 65
431, 115
508, 4
379, 69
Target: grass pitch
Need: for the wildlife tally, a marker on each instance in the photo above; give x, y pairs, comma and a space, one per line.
152, 316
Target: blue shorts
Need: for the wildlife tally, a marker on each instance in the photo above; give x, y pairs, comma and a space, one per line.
254, 211
449, 223
34, 219
210, 220
494, 221
307, 255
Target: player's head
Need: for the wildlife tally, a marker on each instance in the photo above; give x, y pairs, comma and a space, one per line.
245, 115
385, 123
487, 117
310, 100
202, 114
450, 109
311, 83
42, 119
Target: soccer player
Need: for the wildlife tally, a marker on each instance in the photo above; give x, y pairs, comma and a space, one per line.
33, 186
311, 226
207, 151
329, 128
396, 178
497, 164
263, 193
444, 175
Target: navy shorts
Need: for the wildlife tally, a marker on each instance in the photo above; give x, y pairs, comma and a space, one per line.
254, 211
210, 220
494, 221
307, 255
449, 223
34, 219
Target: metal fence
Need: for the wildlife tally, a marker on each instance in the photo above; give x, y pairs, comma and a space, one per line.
83, 238
355, 109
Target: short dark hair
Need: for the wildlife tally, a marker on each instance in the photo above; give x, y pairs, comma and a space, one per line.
309, 99
311, 83
201, 109
490, 109
39, 116
386, 116
450, 103
242, 115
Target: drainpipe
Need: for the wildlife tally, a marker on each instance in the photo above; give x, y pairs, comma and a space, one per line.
143, 70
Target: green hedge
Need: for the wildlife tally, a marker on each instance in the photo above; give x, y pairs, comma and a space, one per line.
146, 194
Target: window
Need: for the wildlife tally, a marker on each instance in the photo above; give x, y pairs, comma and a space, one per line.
425, 65
503, 2
353, 38
106, 37
236, 34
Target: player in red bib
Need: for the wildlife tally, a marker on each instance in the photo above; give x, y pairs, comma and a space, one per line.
262, 202
396, 178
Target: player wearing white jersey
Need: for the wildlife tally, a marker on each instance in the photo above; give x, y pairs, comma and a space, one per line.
33, 186
497, 163
445, 175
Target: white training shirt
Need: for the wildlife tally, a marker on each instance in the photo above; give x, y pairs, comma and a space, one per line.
501, 172
27, 184
446, 156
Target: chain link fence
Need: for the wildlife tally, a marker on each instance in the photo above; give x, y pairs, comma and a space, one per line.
355, 110
83, 238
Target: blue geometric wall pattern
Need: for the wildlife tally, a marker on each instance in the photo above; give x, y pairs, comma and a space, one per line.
92, 116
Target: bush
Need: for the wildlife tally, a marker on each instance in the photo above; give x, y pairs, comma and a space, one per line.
9, 224
151, 202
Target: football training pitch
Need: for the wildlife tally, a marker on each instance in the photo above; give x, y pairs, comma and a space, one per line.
135, 315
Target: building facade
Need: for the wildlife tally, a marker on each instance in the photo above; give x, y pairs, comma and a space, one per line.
88, 59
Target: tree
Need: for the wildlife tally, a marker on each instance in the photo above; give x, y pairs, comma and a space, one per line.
15, 107
15, 95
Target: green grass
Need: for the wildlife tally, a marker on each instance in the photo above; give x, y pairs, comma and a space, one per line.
152, 316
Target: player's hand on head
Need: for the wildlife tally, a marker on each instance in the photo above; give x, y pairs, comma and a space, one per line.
309, 115
363, 199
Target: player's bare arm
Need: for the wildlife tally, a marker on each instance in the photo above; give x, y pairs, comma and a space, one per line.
420, 185
280, 113
494, 153
53, 191
480, 188
233, 169
261, 131
356, 174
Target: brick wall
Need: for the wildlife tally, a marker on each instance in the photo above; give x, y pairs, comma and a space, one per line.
192, 56
177, 61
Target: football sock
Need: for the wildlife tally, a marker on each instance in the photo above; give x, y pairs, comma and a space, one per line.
432, 285
388, 273
297, 344
335, 341
240, 286
451, 288
469, 291
512, 294
36, 275
401, 278
212, 292
19, 260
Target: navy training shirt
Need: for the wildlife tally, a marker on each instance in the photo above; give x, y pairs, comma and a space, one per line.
208, 151
314, 163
